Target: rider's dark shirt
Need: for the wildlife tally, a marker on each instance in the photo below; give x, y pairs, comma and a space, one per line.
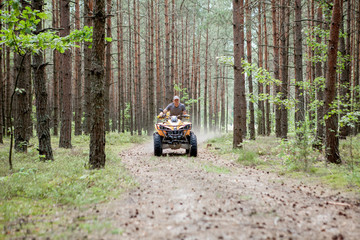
175, 110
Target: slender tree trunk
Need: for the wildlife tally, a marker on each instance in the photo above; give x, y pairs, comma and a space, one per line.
267, 102
120, 67
239, 81
66, 116
357, 66
206, 75
2, 122
159, 95
138, 93
320, 90
199, 84
172, 63
56, 66
276, 67
222, 114
249, 59
345, 77
78, 78
284, 67
42, 117
151, 69
261, 112
97, 135
22, 109
168, 96
332, 140
299, 92
108, 69
8, 92
88, 14
130, 74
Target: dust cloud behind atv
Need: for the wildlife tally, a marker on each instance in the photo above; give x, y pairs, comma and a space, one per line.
174, 133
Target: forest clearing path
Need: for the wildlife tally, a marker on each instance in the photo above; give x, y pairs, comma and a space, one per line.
210, 198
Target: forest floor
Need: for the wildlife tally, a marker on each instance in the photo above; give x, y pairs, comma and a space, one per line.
211, 197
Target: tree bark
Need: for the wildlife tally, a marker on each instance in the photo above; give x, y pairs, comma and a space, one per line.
88, 14
42, 117
261, 112
345, 77
276, 67
120, 67
151, 69
56, 66
66, 116
267, 102
332, 140
168, 96
108, 70
299, 92
78, 77
284, 66
249, 59
320, 90
97, 136
22, 106
239, 81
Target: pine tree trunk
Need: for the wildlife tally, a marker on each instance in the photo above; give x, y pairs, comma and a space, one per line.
88, 14
261, 112
223, 110
120, 67
78, 81
41, 96
108, 67
56, 66
345, 77
249, 60
168, 96
2, 122
276, 67
138, 93
320, 91
239, 81
8, 92
97, 136
22, 67
151, 96
299, 92
332, 140
284, 66
206, 76
66, 116
266, 52
159, 93
130, 83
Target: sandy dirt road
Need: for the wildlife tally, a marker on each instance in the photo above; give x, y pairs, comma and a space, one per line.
211, 198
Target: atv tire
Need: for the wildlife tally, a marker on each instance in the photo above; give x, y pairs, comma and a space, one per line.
157, 145
193, 145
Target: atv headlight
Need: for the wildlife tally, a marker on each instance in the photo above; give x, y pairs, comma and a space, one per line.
161, 127
187, 127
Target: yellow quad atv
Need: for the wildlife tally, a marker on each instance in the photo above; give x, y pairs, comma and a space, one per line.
174, 133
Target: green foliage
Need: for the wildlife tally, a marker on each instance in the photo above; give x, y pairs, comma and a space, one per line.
184, 95
34, 186
19, 31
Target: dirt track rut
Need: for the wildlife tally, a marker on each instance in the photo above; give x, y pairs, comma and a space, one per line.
178, 199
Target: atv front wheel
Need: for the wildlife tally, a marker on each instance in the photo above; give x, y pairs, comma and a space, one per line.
193, 145
157, 145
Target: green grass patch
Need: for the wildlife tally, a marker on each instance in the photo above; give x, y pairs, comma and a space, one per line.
36, 188
291, 159
208, 167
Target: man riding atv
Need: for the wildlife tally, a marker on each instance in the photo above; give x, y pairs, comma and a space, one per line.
176, 108
173, 132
